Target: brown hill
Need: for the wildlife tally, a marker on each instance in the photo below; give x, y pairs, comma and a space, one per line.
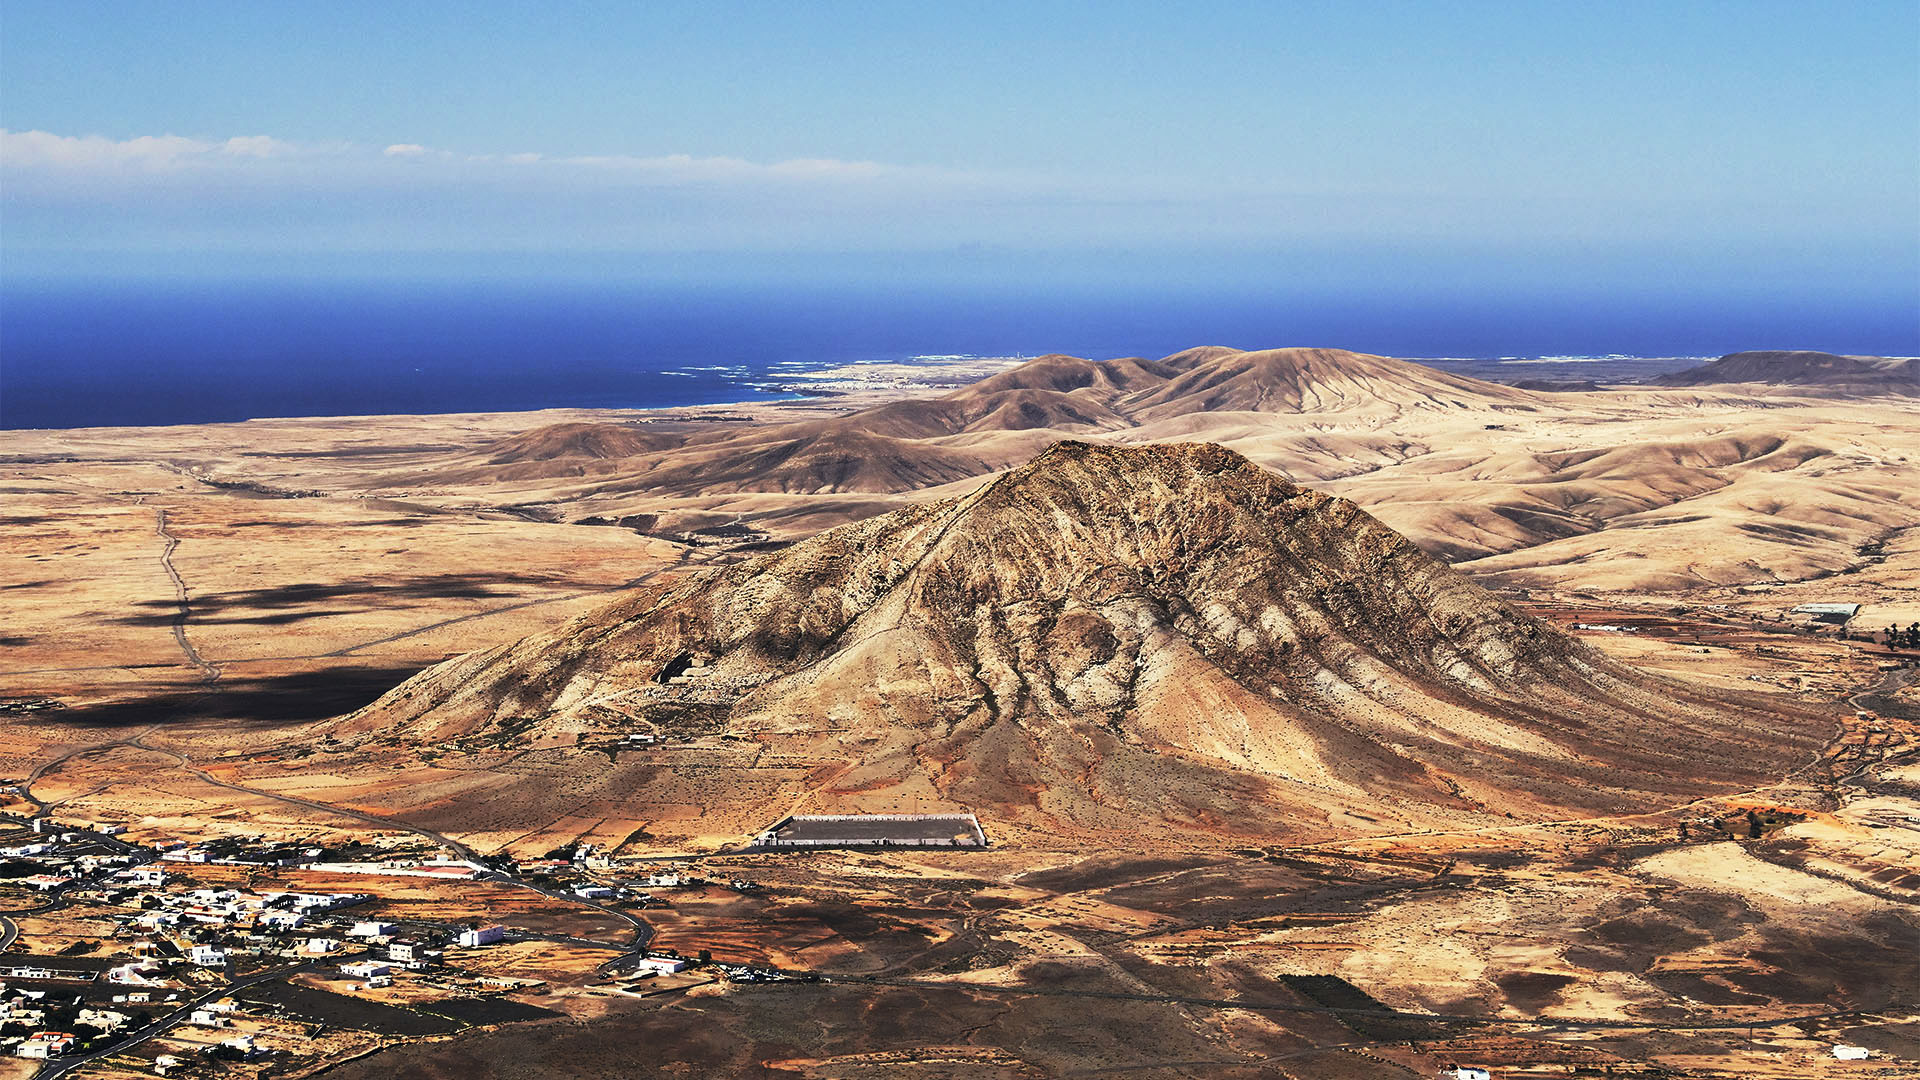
1872, 374
904, 446
1166, 637
1310, 380
1194, 357
1534, 498
895, 447
550, 452
1069, 373
823, 461
971, 409
898, 447
575, 440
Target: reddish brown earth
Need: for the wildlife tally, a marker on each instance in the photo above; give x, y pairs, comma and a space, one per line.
1242, 750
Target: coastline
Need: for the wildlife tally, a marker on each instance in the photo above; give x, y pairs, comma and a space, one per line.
837, 390
842, 388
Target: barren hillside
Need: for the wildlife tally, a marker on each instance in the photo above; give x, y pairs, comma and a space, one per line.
1622, 488
1102, 637
1894, 375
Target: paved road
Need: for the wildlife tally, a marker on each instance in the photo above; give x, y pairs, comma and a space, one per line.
1879, 698
62, 1066
25, 787
642, 932
111, 843
186, 763
57, 898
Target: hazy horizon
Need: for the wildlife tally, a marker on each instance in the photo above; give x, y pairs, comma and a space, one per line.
1761, 149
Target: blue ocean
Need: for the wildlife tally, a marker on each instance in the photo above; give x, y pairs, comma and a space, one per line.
92, 352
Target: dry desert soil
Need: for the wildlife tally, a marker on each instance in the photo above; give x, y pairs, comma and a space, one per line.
1328, 715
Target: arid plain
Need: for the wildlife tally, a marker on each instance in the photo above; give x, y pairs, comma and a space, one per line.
1560, 784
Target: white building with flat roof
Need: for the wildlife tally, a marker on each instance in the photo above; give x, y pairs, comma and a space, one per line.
42, 1045
485, 935
208, 956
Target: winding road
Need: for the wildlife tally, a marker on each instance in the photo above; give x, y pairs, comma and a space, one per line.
1879, 698
62, 1066
643, 932
187, 764
208, 673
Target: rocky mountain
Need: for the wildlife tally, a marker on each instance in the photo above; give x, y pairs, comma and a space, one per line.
1867, 374
1164, 637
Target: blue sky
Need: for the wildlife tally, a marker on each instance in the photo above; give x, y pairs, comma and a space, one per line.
1741, 146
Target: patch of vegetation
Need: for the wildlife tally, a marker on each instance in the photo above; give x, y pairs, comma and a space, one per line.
337, 1010
1360, 1011
482, 1011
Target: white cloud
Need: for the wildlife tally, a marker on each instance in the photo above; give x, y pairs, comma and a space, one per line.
181, 187
685, 167
256, 146
41, 149
97, 154
829, 168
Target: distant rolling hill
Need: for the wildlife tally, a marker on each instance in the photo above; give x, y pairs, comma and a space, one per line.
1863, 374
908, 445
576, 440
1658, 488
1311, 380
